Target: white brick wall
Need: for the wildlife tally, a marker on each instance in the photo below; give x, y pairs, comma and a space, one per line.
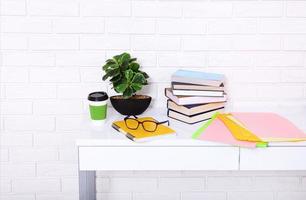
52, 53
202, 185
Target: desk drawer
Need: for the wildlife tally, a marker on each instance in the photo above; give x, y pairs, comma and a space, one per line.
273, 158
158, 158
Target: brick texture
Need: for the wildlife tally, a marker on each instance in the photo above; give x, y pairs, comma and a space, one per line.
52, 53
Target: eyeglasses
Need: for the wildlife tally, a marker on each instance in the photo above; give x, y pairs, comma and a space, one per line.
147, 125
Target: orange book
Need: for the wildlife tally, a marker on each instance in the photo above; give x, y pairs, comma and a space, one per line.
141, 135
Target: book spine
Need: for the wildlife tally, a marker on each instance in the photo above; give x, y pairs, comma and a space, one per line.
172, 85
195, 81
199, 93
169, 96
168, 103
197, 113
188, 122
195, 101
129, 136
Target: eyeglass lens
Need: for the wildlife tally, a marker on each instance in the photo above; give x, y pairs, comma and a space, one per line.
149, 126
132, 123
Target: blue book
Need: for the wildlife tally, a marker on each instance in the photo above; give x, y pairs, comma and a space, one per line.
199, 78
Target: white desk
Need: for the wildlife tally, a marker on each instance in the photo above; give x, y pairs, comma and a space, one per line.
103, 148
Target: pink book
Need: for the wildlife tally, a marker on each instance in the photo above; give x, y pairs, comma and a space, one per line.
217, 132
270, 127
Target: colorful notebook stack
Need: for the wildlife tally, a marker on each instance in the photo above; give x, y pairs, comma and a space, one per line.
249, 129
195, 96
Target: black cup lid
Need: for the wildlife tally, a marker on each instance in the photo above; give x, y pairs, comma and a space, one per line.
97, 96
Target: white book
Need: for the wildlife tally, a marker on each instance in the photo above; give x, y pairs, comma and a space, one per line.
198, 93
189, 100
193, 119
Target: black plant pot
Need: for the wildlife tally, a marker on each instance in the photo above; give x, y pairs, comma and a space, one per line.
135, 105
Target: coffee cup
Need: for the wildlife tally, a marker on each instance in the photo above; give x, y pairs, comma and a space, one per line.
98, 106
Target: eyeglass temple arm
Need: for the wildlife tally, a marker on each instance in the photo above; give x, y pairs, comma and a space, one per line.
167, 121
131, 116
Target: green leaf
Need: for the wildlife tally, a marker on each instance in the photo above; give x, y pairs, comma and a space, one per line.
124, 65
132, 60
134, 66
136, 86
110, 66
115, 84
121, 81
114, 66
111, 73
105, 77
128, 92
117, 58
104, 67
125, 57
145, 74
124, 61
121, 87
138, 78
129, 74
116, 78
110, 61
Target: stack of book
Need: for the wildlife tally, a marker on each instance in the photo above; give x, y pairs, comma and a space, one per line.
195, 96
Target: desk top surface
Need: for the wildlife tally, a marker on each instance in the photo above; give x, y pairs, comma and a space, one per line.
105, 135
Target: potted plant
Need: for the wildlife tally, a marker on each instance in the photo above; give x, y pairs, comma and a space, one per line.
126, 79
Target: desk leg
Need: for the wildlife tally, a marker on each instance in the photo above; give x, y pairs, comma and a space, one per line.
87, 185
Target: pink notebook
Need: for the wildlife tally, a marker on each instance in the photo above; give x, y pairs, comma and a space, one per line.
270, 127
217, 132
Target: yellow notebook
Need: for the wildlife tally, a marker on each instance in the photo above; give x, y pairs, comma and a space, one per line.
141, 135
239, 131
